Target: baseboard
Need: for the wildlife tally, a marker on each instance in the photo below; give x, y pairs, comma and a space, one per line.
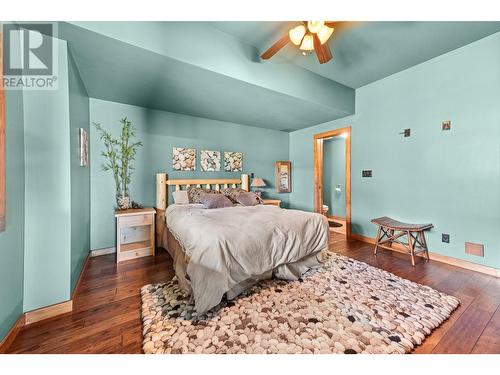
11, 335
437, 257
104, 251
82, 272
359, 237
48, 312
43, 313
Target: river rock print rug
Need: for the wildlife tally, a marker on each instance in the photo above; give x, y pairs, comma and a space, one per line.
344, 306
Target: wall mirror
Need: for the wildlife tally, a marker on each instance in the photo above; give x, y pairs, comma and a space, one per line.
283, 176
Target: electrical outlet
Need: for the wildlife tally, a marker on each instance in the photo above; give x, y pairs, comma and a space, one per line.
367, 173
445, 238
446, 125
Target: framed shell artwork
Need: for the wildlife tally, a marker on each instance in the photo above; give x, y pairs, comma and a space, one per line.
233, 161
184, 159
210, 160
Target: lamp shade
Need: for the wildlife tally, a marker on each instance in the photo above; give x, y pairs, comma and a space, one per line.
258, 182
307, 43
315, 26
325, 33
296, 34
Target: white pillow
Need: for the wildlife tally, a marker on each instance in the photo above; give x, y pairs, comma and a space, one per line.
180, 197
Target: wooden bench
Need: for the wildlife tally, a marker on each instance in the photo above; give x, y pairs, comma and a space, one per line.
390, 231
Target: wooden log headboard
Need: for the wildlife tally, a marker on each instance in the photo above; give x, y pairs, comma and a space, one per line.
162, 184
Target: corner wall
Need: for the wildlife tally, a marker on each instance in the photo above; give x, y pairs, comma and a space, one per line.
12, 239
47, 251
451, 179
80, 175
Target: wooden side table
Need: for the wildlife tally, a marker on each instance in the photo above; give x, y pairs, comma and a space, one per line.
272, 202
135, 233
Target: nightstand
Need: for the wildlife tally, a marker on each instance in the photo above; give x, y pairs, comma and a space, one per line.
135, 233
272, 202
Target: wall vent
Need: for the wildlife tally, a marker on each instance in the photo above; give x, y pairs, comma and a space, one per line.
474, 249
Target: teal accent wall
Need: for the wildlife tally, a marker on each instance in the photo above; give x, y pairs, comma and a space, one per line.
47, 252
160, 131
12, 239
333, 175
80, 175
451, 179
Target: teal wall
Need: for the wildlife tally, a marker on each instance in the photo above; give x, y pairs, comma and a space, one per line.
451, 179
48, 195
80, 176
160, 131
12, 239
333, 175
47, 252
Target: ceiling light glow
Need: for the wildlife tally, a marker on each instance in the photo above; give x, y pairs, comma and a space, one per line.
307, 43
315, 26
325, 33
296, 34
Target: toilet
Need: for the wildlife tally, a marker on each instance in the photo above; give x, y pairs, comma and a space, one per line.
324, 209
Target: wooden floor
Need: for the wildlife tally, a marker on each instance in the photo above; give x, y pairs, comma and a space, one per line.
106, 316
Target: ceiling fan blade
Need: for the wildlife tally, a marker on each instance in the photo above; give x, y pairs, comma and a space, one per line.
322, 51
342, 25
283, 41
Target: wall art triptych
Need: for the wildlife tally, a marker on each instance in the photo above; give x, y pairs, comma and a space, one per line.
184, 159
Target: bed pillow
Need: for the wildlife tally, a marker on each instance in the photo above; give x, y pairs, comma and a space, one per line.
215, 200
180, 197
232, 193
194, 193
248, 199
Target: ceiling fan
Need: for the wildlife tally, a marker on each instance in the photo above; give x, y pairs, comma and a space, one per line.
309, 36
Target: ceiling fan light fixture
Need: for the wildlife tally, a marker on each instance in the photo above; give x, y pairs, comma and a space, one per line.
325, 33
307, 43
297, 34
315, 26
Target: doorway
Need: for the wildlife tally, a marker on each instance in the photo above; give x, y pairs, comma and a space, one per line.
332, 178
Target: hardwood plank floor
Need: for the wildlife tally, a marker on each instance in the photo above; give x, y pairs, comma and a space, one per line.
106, 316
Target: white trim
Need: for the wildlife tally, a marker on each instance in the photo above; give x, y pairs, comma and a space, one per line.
103, 251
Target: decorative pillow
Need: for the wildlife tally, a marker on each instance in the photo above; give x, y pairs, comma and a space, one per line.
180, 197
248, 199
232, 193
215, 200
194, 193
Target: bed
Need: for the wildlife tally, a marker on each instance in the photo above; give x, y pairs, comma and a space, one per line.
224, 251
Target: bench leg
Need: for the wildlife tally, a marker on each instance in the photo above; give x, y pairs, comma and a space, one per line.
391, 235
424, 242
377, 239
411, 247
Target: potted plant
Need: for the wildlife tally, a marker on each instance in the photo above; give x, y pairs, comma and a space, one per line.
119, 155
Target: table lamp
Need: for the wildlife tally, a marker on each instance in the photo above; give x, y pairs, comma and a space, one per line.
257, 182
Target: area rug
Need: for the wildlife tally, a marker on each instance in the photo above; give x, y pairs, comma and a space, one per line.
344, 306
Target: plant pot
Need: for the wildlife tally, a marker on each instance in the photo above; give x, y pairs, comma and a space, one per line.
123, 202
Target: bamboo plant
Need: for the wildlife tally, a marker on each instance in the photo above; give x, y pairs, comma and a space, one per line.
119, 154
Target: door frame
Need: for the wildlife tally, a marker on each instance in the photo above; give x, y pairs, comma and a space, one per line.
318, 171
3, 142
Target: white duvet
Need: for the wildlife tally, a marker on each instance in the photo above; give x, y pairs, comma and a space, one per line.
229, 247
